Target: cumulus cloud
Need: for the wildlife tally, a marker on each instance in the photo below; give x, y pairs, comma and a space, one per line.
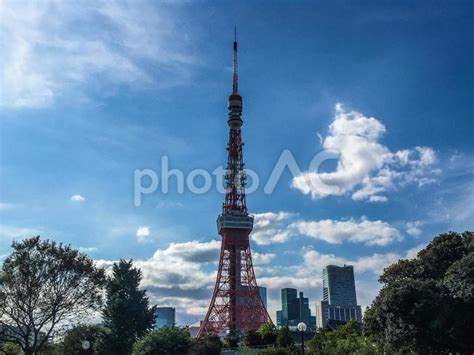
271, 227
337, 232
366, 168
87, 249
413, 228
314, 261
14, 232
143, 232
77, 198
98, 46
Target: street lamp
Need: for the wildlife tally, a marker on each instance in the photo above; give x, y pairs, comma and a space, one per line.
85, 345
302, 329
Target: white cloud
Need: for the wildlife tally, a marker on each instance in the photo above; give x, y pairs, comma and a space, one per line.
77, 198
87, 249
366, 169
14, 232
262, 258
98, 46
314, 261
269, 227
413, 228
337, 232
278, 227
142, 233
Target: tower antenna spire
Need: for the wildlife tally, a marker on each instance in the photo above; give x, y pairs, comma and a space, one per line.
235, 303
235, 78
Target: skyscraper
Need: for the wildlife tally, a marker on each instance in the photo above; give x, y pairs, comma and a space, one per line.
339, 303
295, 309
165, 317
263, 295
339, 285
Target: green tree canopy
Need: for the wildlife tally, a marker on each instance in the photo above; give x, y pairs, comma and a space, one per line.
42, 286
346, 339
284, 338
127, 314
426, 303
207, 345
74, 338
268, 333
165, 341
232, 339
252, 338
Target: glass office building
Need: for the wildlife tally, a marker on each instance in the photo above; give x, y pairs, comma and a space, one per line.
262, 291
339, 303
165, 317
295, 309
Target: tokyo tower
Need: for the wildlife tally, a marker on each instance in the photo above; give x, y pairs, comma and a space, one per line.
236, 304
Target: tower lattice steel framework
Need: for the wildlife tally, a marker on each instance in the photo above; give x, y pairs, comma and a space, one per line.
236, 303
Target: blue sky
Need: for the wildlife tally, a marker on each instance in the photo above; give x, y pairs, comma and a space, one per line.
93, 91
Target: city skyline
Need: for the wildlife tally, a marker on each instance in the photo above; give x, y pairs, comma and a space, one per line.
138, 83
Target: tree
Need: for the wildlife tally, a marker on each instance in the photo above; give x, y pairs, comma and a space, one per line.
284, 339
268, 333
425, 303
127, 314
72, 343
232, 339
207, 345
252, 338
346, 339
42, 286
9, 348
165, 341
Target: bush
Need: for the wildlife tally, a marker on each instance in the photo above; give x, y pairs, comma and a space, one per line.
284, 339
207, 345
268, 333
232, 339
165, 341
252, 338
73, 339
346, 339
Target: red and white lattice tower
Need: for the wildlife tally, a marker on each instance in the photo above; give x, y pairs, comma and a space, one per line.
236, 303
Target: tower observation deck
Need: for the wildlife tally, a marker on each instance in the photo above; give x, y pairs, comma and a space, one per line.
236, 304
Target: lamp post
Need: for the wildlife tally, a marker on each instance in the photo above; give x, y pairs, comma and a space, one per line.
302, 329
85, 345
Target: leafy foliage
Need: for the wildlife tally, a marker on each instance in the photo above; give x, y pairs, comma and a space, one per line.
268, 333
252, 338
165, 341
43, 285
127, 314
232, 339
346, 339
9, 348
72, 343
284, 339
425, 303
207, 345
